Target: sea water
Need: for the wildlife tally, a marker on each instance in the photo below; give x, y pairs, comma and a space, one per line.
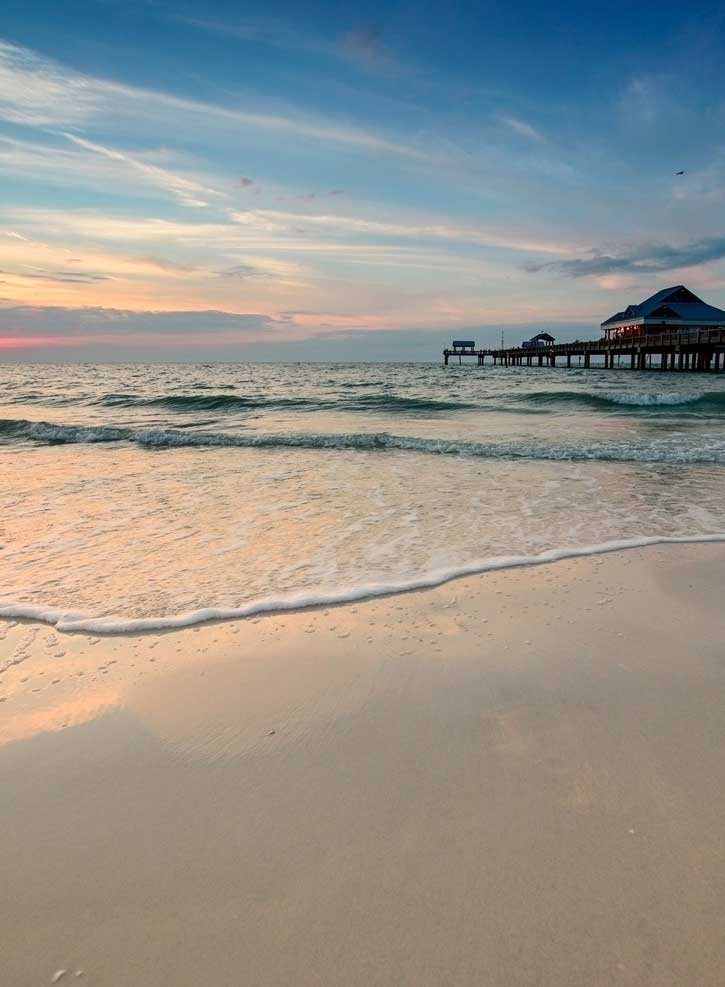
135, 496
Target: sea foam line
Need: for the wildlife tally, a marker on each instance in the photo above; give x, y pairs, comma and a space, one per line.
73, 622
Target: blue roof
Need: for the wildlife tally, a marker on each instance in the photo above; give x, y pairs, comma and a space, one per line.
671, 303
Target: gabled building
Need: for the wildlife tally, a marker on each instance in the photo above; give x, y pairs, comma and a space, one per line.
540, 339
670, 309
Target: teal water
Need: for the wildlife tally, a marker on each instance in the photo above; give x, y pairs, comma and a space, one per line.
154, 492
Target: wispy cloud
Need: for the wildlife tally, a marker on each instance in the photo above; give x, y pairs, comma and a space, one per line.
37, 92
271, 221
648, 259
522, 128
643, 99
280, 229
59, 277
185, 190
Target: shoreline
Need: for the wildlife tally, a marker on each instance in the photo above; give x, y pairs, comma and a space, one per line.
68, 622
513, 779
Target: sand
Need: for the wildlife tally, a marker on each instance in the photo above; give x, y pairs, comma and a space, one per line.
514, 779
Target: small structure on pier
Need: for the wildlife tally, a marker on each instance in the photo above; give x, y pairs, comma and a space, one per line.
540, 339
670, 310
461, 348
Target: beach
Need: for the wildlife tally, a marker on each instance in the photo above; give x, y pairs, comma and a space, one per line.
362, 495
512, 779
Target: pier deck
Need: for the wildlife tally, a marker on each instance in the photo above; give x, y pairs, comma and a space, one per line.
702, 350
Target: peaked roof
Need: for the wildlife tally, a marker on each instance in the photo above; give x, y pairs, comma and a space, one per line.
671, 303
542, 335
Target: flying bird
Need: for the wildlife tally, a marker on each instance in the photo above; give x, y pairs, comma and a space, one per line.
679, 173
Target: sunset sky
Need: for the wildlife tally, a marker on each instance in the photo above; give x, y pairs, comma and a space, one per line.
292, 181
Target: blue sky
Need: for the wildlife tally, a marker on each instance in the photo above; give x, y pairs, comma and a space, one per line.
288, 181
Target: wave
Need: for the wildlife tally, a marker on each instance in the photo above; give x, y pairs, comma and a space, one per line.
355, 397
233, 402
66, 621
709, 449
391, 402
709, 401
196, 402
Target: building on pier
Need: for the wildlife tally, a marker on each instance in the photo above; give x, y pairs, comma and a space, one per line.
672, 309
540, 339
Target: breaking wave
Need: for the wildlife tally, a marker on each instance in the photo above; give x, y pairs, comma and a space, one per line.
73, 621
713, 401
705, 449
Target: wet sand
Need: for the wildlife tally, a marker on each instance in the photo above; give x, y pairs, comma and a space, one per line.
514, 779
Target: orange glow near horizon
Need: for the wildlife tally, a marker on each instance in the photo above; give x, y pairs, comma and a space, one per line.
35, 342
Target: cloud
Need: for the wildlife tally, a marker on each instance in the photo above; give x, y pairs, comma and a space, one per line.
37, 92
644, 99
260, 268
160, 264
648, 259
240, 271
310, 196
60, 277
275, 221
522, 127
80, 163
94, 225
270, 229
617, 282
59, 321
186, 191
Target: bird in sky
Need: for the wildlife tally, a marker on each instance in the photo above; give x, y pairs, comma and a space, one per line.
679, 173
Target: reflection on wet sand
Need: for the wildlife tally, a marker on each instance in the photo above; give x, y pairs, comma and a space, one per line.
512, 779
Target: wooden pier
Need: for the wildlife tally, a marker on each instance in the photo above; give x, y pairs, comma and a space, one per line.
702, 350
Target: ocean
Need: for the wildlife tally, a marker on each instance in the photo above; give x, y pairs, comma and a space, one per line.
140, 497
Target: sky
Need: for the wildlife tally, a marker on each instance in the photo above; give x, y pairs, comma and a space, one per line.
334, 181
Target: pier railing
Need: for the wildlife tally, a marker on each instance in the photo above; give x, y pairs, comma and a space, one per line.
689, 349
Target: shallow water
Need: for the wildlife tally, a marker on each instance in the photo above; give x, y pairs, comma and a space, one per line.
156, 492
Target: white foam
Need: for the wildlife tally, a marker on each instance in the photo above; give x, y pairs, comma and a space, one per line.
66, 621
709, 449
652, 399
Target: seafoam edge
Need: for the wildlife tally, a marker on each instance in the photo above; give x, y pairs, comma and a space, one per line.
73, 622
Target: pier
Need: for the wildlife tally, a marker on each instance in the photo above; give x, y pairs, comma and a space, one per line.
672, 330
701, 351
